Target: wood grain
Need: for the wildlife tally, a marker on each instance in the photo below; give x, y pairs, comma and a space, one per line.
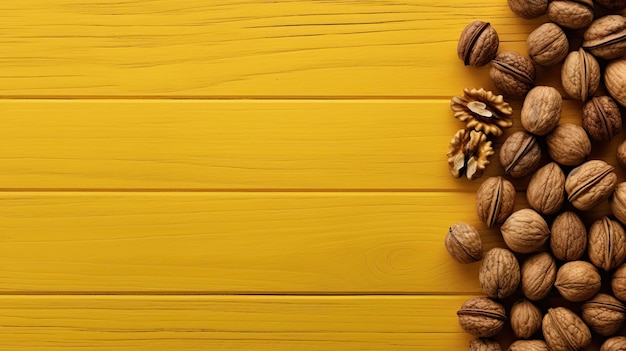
246, 48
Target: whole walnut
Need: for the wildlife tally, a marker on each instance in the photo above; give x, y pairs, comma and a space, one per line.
571, 14
483, 344
541, 110
499, 273
607, 247
495, 200
590, 183
528, 345
482, 317
463, 243
512, 73
520, 154
525, 231
577, 281
547, 45
568, 239
538, 276
602, 118
616, 343
568, 144
618, 283
614, 80
604, 314
478, 44
606, 37
563, 330
546, 190
525, 319
618, 202
528, 8
580, 75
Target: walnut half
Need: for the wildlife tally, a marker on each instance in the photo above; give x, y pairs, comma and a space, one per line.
482, 110
469, 153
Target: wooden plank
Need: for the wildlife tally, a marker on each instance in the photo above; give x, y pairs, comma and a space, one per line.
252, 48
195, 144
231, 323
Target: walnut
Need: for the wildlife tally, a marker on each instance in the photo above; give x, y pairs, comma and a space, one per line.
577, 281
525, 231
614, 80
618, 202
602, 118
499, 273
512, 73
563, 330
482, 317
590, 183
604, 314
525, 319
571, 14
482, 110
482, 344
478, 44
541, 110
568, 144
618, 283
495, 200
607, 249
612, 4
621, 154
520, 154
538, 276
616, 343
469, 154
546, 190
606, 37
528, 8
547, 45
463, 243
580, 75
568, 240
528, 345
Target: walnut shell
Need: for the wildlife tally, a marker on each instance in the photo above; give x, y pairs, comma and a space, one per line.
604, 314
618, 202
482, 317
612, 4
606, 37
568, 144
590, 183
525, 319
483, 111
528, 8
563, 330
499, 273
621, 154
541, 110
602, 118
618, 283
478, 44
512, 73
547, 45
463, 243
616, 343
577, 281
568, 240
482, 344
580, 75
469, 154
495, 200
525, 231
546, 190
528, 345
571, 14
615, 81
538, 276
520, 154
607, 248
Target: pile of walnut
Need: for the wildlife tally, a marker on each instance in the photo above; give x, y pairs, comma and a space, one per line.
577, 255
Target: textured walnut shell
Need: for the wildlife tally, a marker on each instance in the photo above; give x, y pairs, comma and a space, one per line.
469, 154
538, 276
495, 200
618, 283
572, 14
520, 154
463, 243
547, 45
482, 110
580, 75
615, 80
528, 8
568, 240
602, 118
525, 231
478, 44
618, 202
482, 317
499, 273
483, 344
604, 314
577, 281
563, 330
541, 110
512, 73
621, 154
612, 4
606, 37
568, 144
606, 247
590, 183
525, 319
616, 343
528, 345
546, 190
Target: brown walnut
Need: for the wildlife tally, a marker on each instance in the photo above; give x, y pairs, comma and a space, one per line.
577, 281
568, 240
482, 110
520, 154
618, 202
463, 243
546, 190
612, 4
580, 75
621, 153
547, 45
541, 110
615, 80
482, 317
602, 118
528, 8
478, 44
563, 330
607, 247
495, 200
483, 344
571, 14
604, 314
616, 343
538, 276
525, 231
499, 273
528, 345
469, 154
525, 319
618, 283
590, 183
512, 73
606, 37
568, 144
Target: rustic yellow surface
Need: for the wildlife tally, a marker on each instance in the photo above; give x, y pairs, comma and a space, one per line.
238, 175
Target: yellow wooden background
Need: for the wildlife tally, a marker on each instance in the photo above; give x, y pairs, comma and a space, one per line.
236, 174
